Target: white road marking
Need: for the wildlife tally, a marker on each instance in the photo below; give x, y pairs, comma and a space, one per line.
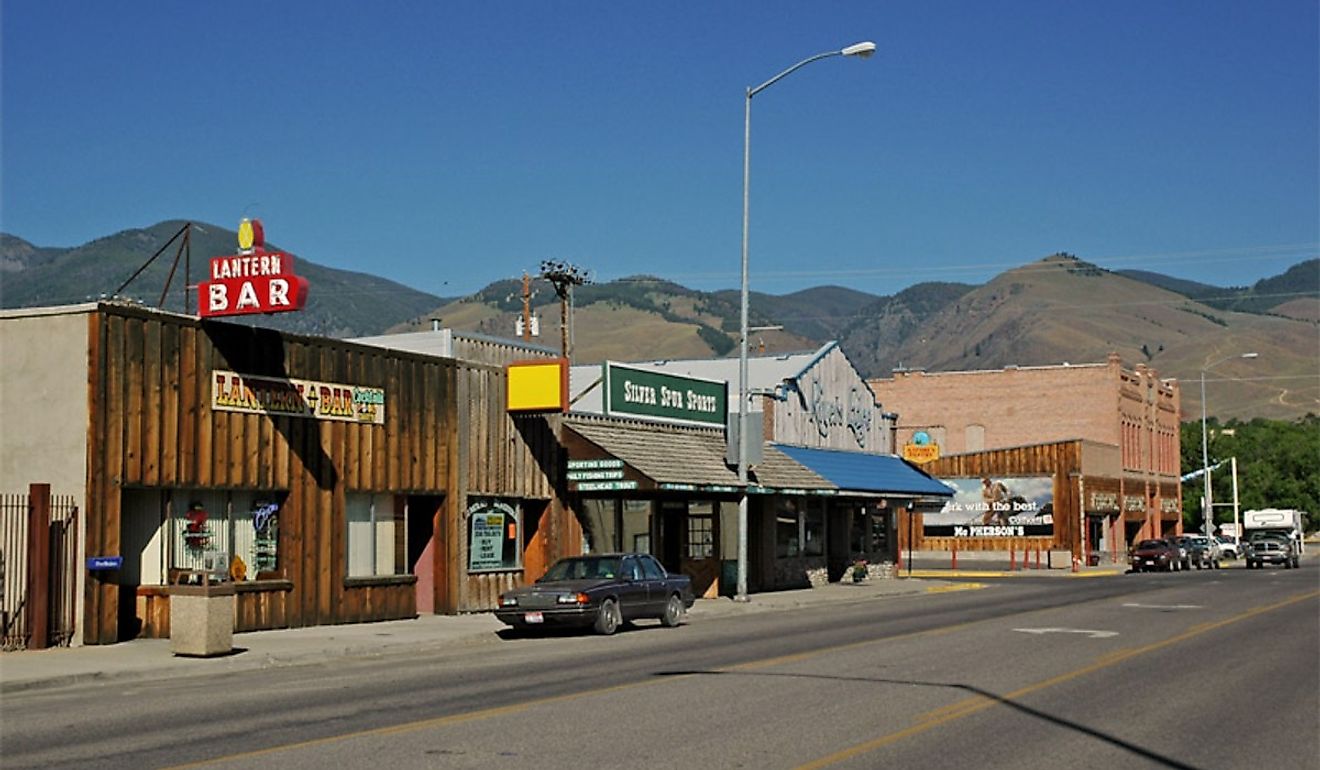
1089, 632
1165, 606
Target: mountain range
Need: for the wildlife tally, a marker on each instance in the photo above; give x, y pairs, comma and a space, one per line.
1048, 311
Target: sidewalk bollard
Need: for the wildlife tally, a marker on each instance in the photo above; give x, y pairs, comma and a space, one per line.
1012, 559
1037, 557
955, 556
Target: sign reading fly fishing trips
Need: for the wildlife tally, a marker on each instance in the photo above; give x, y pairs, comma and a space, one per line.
252, 281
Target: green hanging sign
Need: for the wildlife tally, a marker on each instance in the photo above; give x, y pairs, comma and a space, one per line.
634, 392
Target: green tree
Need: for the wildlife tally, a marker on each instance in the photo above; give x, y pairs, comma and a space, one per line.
1278, 467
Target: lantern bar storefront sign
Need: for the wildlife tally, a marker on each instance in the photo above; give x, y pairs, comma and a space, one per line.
634, 392
252, 281
234, 392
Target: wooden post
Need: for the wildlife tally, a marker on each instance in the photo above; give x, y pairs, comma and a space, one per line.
38, 572
955, 555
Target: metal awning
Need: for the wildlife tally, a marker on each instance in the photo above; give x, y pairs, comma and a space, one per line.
857, 472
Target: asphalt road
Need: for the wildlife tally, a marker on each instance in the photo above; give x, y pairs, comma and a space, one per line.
1203, 669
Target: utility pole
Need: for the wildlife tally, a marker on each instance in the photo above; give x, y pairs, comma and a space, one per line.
563, 277
527, 307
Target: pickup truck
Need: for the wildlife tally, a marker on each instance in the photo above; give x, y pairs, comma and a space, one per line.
1283, 522
603, 591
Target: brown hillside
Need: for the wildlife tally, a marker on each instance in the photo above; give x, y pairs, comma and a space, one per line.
1061, 309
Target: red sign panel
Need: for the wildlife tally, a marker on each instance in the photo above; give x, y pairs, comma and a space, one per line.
257, 281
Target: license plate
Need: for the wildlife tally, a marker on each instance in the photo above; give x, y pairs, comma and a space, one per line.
533, 617
1149, 562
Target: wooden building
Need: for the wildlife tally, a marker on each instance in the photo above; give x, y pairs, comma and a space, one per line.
332, 481
823, 486
1056, 496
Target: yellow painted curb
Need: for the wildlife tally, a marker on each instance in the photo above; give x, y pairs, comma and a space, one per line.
954, 587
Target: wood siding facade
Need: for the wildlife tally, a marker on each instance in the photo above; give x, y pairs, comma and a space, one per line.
829, 406
1061, 461
446, 436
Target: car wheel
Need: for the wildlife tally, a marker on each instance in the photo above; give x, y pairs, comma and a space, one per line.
608, 618
673, 612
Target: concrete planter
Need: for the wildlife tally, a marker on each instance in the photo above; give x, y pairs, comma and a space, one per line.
202, 619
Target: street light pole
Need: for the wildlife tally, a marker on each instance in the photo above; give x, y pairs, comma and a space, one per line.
1207, 502
860, 50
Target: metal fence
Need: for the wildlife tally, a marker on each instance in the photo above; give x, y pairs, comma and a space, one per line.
14, 558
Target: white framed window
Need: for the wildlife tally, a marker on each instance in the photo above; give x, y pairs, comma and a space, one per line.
375, 535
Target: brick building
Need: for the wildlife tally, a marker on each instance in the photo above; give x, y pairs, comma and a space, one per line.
1133, 411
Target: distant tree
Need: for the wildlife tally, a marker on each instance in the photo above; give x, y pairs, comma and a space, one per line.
1278, 467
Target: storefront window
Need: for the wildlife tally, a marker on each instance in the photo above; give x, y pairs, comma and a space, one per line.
165, 532
859, 530
879, 529
637, 526
787, 535
376, 535
598, 525
701, 530
813, 528
493, 536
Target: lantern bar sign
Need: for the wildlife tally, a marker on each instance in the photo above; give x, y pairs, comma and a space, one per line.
252, 281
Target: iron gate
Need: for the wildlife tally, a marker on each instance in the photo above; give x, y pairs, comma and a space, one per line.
15, 557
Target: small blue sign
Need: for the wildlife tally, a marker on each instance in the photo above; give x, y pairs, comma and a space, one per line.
104, 562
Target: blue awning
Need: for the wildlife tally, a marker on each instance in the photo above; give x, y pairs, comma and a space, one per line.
876, 474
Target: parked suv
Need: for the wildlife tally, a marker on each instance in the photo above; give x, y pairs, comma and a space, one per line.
1228, 547
1183, 549
1271, 549
1205, 553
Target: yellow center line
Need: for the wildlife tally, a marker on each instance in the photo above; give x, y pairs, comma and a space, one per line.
971, 706
514, 708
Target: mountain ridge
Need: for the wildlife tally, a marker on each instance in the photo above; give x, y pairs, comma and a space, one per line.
1055, 309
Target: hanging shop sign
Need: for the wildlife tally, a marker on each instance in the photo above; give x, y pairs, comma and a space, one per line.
491, 525
602, 475
995, 507
538, 386
234, 392
921, 449
253, 281
634, 392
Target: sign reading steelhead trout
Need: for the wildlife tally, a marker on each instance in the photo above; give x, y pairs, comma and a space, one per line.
643, 393
252, 281
1002, 507
234, 392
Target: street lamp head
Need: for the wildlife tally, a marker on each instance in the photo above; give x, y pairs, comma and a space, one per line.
860, 50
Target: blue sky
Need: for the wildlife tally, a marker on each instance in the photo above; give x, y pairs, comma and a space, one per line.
446, 145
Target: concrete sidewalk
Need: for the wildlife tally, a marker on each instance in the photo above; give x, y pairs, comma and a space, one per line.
152, 659
143, 659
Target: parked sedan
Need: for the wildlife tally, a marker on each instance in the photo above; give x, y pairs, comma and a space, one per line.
603, 591
1154, 555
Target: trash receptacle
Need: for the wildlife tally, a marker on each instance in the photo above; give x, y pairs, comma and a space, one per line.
201, 615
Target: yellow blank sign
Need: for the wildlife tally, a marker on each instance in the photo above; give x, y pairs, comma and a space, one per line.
538, 386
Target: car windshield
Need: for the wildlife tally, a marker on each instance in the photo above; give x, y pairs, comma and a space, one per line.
583, 568
1151, 544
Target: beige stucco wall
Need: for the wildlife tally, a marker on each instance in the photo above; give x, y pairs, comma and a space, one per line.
43, 400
